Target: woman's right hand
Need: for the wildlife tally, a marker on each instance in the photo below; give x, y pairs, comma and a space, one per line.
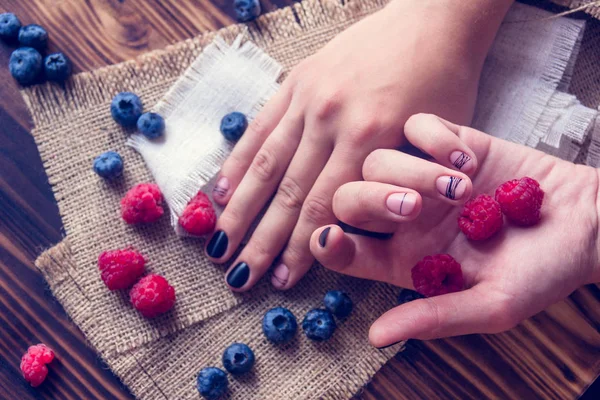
511, 276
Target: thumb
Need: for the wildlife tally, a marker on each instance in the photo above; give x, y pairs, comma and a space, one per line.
355, 255
460, 313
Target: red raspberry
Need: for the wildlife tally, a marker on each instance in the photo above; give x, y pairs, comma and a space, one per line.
480, 218
521, 200
437, 274
119, 269
152, 296
199, 217
33, 364
142, 204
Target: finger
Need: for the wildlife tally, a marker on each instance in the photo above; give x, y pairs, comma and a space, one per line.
243, 153
256, 188
460, 313
433, 136
357, 256
316, 211
427, 178
375, 206
276, 226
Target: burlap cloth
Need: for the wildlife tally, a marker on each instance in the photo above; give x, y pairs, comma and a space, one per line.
160, 358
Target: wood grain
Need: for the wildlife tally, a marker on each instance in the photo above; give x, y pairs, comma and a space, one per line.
556, 354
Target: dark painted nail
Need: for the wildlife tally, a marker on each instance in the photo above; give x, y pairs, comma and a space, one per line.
357, 231
217, 245
389, 345
323, 236
238, 275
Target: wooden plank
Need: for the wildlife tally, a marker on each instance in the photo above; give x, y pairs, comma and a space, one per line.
553, 355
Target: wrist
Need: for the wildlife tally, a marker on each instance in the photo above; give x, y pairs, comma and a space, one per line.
468, 27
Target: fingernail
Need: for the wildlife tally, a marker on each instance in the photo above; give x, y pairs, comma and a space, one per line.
389, 345
461, 160
280, 276
217, 245
238, 275
221, 188
401, 203
323, 236
451, 186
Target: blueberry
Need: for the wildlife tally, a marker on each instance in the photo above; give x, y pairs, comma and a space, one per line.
238, 359
126, 108
9, 26
407, 295
109, 165
279, 325
57, 67
233, 125
152, 125
246, 10
25, 65
33, 36
318, 325
338, 303
212, 383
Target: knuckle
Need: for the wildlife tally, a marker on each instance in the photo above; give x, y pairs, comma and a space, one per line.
289, 195
258, 251
264, 165
366, 128
294, 256
327, 105
316, 210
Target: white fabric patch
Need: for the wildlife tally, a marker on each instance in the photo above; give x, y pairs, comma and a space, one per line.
224, 78
521, 93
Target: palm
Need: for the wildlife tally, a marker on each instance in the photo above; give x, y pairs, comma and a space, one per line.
535, 266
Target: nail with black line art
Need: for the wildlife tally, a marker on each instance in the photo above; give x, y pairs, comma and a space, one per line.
217, 245
238, 276
357, 231
221, 188
401, 203
451, 187
461, 161
323, 236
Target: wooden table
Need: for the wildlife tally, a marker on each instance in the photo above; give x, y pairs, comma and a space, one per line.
556, 354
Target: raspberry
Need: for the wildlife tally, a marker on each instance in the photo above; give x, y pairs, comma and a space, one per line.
480, 218
152, 296
437, 274
521, 200
199, 217
33, 364
119, 269
142, 204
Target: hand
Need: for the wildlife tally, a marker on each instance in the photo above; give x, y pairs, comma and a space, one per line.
351, 97
510, 277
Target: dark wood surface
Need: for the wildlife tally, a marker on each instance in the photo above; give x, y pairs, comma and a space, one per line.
556, 354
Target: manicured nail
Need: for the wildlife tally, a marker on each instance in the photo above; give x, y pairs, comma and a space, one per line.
217, 245
461, 160
280, 276
238, 275
389, 345
451, 186
221, 188
401, 203
323, 236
